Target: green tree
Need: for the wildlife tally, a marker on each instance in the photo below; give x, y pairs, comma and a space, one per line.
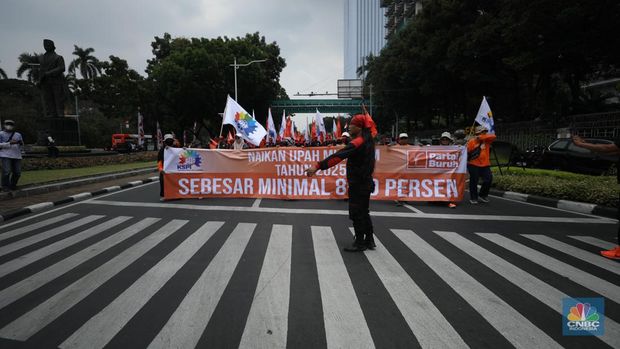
86, 63
25, 67
188, 79
3, 74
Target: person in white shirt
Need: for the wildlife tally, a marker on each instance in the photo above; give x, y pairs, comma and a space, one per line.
239, 143
11, 143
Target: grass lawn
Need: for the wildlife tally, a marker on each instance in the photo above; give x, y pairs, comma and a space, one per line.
42, 176
600, 190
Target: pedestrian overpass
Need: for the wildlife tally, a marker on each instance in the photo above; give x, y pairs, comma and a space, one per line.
294, 106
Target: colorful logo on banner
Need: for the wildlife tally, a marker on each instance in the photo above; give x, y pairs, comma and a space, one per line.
435, 159
583, 316
189, 159
245, 122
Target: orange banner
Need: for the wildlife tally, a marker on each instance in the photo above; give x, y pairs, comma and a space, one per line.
406, 173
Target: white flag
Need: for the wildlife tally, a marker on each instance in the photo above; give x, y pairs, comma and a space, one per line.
282, 125
334, 128
140, 129
320, 126
485, 116
271, 128
160, 137
250, 129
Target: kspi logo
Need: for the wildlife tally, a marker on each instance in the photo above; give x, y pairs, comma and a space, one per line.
583, 316
433, 158
188, 159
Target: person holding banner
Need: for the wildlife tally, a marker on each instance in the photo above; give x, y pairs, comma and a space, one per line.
360, 167
168, 142
479, 164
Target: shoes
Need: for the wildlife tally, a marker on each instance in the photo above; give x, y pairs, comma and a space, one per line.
370, 244
355, 247
484, 199
613, 253
452, 205
162, 199
473, 202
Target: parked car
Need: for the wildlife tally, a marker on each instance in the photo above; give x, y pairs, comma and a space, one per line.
564, 155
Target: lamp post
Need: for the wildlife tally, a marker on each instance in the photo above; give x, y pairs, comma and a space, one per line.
236, 66
77, 114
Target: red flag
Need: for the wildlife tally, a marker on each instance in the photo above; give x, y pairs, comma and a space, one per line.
313, 130
288, 131
338, 128
230, 138
213, 143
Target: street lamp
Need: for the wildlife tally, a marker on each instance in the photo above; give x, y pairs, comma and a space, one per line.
236, 66
77, 113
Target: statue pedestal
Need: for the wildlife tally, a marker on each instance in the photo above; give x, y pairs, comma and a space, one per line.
64, 130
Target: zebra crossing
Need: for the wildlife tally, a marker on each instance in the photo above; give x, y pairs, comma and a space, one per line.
94, 281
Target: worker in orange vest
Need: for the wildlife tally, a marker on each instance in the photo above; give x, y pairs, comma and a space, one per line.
479, 164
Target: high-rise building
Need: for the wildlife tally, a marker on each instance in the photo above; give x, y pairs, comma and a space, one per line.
398, 13
364, 33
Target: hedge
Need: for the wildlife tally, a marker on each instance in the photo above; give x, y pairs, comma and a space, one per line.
33, 164
600, 190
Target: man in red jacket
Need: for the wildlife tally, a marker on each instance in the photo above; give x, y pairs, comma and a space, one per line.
360, 167
479, 165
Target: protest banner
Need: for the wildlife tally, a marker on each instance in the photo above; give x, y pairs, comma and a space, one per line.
411, 173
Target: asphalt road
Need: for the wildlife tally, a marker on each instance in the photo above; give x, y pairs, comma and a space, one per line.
125, 270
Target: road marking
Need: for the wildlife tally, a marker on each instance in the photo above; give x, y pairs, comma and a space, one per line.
185, 327
586, 280
511, 198
62, 207
47, 234
538, 289
595, 242
573, 251
267, 323
497, 312
48, 311
346, 213
257, 202
412, 208
34, 226
18, 290
345, 325
33, 256
101, 328
432, 330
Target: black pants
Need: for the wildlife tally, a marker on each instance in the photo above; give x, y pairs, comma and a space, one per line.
359, 211
475, 173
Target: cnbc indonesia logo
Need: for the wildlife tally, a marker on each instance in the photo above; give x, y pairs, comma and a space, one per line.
583, 316
189, 159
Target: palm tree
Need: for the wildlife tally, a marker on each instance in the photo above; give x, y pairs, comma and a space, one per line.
3, 74
32, 72
88, 65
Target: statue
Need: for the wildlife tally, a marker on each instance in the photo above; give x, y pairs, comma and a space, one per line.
52, 80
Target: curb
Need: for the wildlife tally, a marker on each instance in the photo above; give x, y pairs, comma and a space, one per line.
580, 207
5, 216
51, 187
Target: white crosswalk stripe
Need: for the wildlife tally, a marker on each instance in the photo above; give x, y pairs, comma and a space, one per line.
586, 280
345, 325
550, 296
585, 256
46, 293
500, 314
595, 242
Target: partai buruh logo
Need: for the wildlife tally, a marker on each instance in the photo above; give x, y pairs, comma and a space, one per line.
188, 159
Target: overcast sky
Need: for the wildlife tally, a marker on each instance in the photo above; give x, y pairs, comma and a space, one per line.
309, 33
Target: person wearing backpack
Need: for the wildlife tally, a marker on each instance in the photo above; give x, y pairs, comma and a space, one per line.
11, 143
479, 165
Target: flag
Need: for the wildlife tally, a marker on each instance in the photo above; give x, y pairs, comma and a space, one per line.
485, 116
334, 127
213, 143
313, 130
230, 137
320, 126
282, 125
288, 131
250, 129
140, 129
338, 128
194, 131
160, 137
271, 129
307, 133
